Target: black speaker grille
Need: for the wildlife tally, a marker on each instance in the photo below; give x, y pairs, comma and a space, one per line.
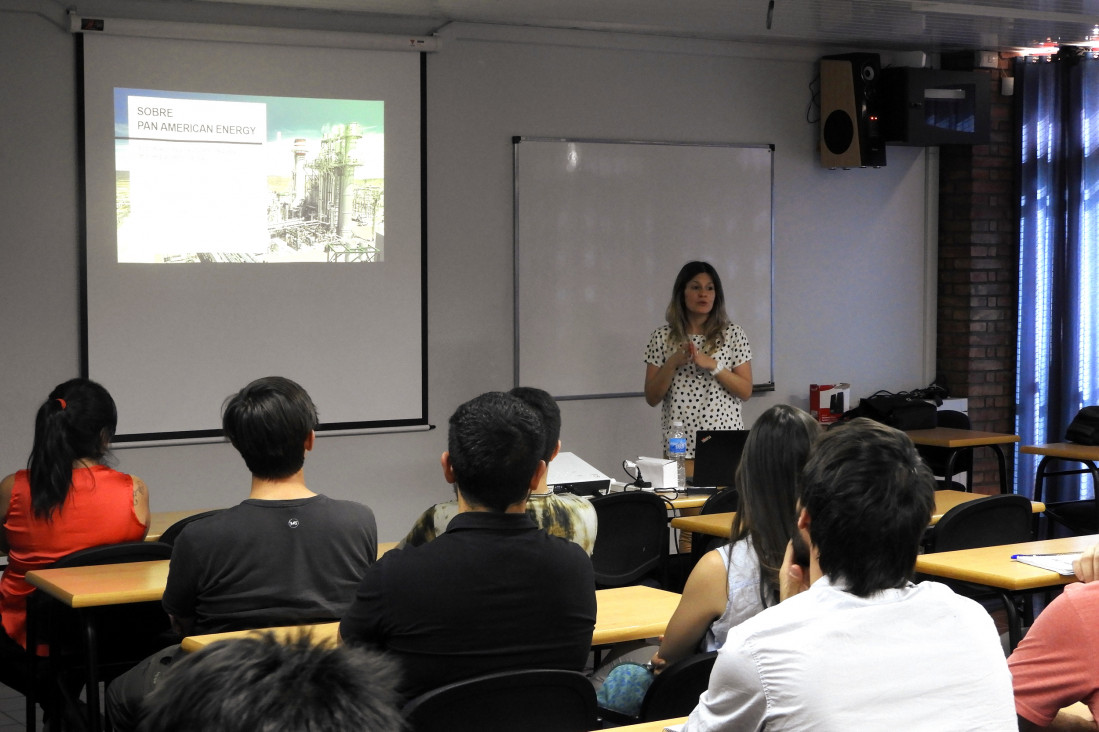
839, 132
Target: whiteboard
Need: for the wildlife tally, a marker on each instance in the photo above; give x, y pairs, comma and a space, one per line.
601, 230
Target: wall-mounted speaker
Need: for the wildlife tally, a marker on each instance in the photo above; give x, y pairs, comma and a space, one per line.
850, 111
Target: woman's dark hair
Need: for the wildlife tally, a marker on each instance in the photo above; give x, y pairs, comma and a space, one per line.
676, 313
774, 453
76, 422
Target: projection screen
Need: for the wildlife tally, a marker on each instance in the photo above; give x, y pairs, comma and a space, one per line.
253, 209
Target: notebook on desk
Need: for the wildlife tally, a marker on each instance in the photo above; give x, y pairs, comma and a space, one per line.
717, 454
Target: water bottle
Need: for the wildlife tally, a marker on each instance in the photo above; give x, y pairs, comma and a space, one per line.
677, 450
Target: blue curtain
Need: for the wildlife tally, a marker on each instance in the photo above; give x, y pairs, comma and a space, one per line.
1058, 353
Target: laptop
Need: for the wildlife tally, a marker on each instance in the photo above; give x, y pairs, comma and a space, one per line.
717, 454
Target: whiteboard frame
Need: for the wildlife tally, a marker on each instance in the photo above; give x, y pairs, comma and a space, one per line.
518, 139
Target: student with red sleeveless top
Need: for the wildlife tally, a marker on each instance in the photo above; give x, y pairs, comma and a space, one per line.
66, 499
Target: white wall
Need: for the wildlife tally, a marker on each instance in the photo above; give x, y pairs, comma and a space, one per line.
850, 266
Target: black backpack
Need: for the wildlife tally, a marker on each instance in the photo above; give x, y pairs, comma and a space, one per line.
1084, 429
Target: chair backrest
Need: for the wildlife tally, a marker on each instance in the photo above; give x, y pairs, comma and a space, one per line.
936, 457
540, 700
1004, 519
172, 532
674, 692
129, 551
722, 502
632, 540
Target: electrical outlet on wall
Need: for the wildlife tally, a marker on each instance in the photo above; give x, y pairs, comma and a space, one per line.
987, 59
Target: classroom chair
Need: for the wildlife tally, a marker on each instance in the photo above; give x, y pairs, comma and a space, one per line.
632, 541
539, 700
999, 519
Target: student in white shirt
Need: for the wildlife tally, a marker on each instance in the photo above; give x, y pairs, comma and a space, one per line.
854, 644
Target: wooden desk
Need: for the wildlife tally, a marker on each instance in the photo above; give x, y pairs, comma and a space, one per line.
957, 440
322, 633
657, 726
632, 613
711, 524
720, 524
992, 566
1088, 455
622, 614
87, 588
687, 502
159, 521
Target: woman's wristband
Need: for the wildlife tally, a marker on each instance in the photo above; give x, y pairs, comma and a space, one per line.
716, 370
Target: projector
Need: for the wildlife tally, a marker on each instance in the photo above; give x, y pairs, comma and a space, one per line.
570, 474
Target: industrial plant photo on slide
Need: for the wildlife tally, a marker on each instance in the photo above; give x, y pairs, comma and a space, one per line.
234, 178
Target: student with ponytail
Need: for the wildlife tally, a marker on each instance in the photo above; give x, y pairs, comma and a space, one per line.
66, 499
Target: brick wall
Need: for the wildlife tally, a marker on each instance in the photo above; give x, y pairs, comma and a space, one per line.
978, 287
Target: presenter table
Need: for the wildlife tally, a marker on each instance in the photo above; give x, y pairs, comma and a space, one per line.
1088, 455
993, 566
957, 440
622, 614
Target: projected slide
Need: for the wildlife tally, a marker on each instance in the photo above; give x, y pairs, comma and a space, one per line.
234, 178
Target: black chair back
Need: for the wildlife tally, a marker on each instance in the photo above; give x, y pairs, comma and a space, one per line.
675, 691
721, 502
1002, 519
632, 540
170, 533
540, 700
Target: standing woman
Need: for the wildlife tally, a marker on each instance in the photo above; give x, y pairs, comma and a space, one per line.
66, 499
699, 364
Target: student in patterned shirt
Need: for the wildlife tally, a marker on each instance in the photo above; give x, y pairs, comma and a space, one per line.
560, 514
698, 365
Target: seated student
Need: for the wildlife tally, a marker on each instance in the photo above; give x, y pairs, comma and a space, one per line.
260, 683
566, 515
1054, 666
854, 644
66, 500
284, 556
494, 592
736, 581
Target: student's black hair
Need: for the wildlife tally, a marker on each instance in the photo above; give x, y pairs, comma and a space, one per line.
76, 422
495, 444
766, 478
263, 685
869, 497
268, 422
545, 406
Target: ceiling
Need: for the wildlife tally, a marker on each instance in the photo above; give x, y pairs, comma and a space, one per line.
919, 25
927, 25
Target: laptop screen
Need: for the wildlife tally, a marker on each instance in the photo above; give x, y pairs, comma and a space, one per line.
717, 454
